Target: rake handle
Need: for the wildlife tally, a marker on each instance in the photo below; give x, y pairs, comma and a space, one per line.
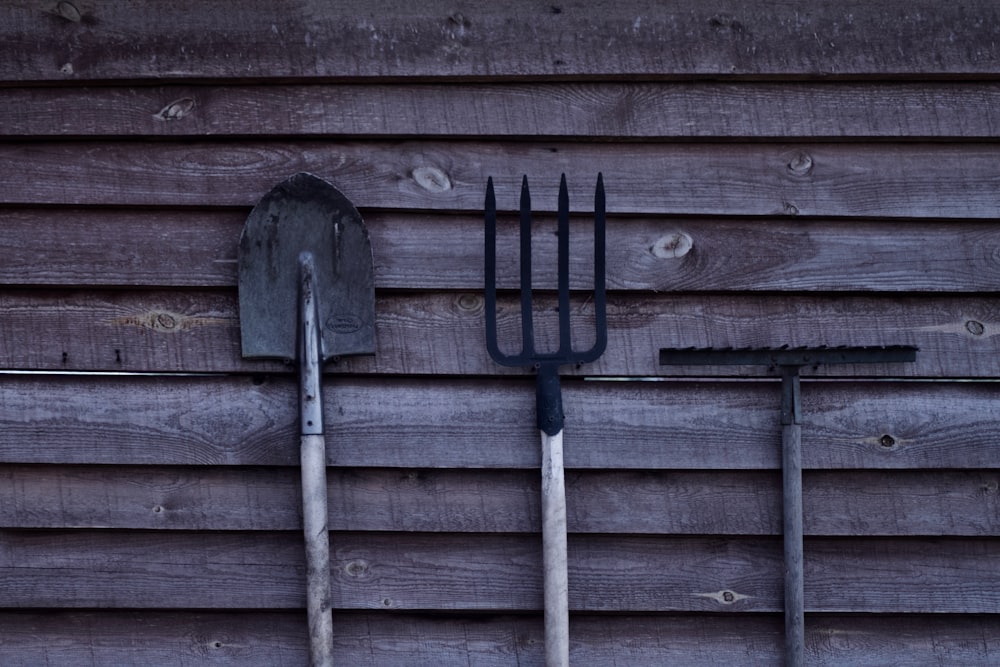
791, 475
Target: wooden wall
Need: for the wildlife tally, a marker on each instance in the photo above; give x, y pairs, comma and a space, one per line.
777, 173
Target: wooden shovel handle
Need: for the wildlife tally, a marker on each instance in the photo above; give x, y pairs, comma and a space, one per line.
314, 520
556, 577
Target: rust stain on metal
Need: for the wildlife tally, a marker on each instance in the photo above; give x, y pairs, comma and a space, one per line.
163, 321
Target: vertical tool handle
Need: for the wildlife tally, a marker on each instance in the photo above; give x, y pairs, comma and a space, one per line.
313, 460
314, 520
791, 472
795, 634
556, 577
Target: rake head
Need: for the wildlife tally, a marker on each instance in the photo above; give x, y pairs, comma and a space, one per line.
565, 354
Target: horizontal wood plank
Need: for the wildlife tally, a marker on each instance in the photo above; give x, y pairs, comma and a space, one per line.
112, 247
465, 423
880, 179
372, 639
469, 572
82, 41
639, 109
362, 499
442, 333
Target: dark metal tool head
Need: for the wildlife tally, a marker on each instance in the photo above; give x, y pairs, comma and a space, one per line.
565, 354
305, 214
786, 356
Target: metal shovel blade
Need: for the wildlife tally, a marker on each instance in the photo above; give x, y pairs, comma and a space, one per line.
305, 214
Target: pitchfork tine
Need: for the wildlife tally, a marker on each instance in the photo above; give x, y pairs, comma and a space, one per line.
565, 346
491, 272
527, 321
548, 406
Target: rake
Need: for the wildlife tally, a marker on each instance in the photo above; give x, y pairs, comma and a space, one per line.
788, 361
549, 410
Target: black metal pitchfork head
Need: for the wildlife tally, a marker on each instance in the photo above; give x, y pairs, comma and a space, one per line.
550, 418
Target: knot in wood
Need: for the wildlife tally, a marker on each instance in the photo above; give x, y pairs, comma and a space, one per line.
800, 164
470, 303
975, 328
356, 568
166, 321
672, 246
176, 109
431, 179
68, 11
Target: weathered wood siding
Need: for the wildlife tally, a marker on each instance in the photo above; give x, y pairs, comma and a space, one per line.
777, 173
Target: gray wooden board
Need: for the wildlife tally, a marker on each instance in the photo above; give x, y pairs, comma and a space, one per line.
934, 503
83, 41
617, 425
374, 639
469, 572
194, 248
909, 180
442, 333
749, 109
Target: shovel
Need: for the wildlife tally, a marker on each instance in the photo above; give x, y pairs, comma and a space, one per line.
307, 294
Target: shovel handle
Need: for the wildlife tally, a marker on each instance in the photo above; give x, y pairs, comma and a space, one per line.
556, 576
313, 459
314, 520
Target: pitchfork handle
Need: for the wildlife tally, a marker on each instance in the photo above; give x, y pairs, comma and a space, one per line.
554, 548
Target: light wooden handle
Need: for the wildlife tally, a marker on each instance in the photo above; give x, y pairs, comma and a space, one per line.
314, 523
556, 576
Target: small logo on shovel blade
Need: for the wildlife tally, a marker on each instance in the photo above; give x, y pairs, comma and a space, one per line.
343, 324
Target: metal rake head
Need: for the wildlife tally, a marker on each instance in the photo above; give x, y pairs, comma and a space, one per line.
565, 353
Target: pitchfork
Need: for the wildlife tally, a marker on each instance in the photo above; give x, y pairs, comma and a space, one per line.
548, 394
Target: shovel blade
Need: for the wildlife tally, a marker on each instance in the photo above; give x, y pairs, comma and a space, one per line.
305, 214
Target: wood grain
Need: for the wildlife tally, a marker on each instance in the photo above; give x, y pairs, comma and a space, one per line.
594, 109
224, 421
922, 180
373, 639
469, 572
297, 39
850, 503
442, 333
424, 251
